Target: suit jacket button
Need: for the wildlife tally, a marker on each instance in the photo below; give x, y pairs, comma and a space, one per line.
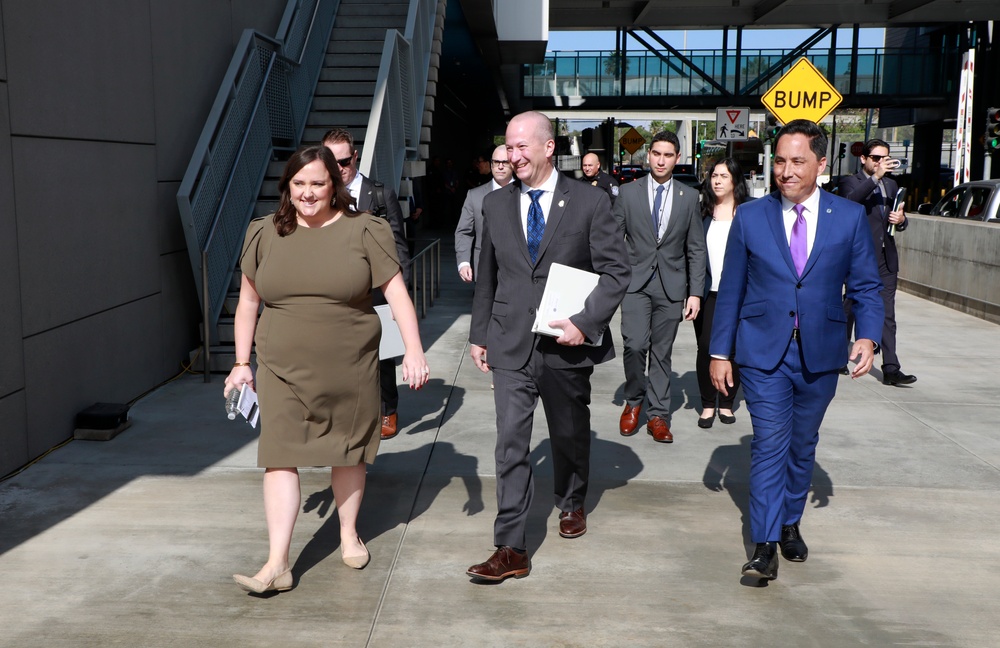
531, 311
798, 285
791, 313
535, 280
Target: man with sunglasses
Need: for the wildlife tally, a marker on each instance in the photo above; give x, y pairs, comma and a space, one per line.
468, 234
876, 190
381, 201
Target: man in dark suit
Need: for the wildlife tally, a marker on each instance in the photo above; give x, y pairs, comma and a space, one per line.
666, 248
780, 317
469, 233
876, 190
546, 218
368, 198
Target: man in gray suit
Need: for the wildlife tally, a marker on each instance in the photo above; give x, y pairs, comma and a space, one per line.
366, 193
468, 234
546, 218
666, 247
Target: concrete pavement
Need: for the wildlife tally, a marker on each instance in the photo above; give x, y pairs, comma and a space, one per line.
132, 542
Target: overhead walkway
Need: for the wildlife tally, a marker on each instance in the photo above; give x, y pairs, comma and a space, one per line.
865, 77
132, 542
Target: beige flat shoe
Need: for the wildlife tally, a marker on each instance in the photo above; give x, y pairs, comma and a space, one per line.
356, 562
280, 583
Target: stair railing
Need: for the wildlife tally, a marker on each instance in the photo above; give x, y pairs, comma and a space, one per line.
393, 133
263, 102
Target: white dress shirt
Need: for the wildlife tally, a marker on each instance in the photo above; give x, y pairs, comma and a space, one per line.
811, 214
666, 203
355, 189
545, 200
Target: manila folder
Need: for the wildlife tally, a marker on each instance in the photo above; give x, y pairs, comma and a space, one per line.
566, 292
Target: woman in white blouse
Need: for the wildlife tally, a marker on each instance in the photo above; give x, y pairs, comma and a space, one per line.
721, 192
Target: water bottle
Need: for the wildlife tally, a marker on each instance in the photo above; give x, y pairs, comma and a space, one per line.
232, 400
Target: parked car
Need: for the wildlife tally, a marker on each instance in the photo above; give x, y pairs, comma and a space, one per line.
978, 201
629, 172
689, 179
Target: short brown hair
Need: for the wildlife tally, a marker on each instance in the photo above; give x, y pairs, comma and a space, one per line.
338, 136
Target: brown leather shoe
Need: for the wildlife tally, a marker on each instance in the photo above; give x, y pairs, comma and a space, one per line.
658, 429
504, 563
629, 420
572, 524
389, 429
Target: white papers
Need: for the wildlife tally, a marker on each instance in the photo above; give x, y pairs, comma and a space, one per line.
247, 405
391, 344
566, 292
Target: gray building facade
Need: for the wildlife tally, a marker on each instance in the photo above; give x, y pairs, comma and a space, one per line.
101, 104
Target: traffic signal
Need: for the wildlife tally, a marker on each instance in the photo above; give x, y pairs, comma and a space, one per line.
992, 137
843, 151
697, 153
771, 129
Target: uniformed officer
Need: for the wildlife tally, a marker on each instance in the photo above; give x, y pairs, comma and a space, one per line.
593, 175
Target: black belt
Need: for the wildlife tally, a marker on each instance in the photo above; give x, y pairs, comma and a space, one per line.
796, 335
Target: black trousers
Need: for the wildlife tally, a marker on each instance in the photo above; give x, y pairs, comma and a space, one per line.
703, 331
387, 385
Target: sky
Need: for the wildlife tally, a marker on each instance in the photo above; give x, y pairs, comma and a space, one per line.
712, 39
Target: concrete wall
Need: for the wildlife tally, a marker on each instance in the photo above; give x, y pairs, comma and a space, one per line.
100, 108
951, 262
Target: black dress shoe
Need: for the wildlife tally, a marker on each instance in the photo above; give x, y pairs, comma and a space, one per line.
504, 563
844, 371
764, 562
793, 547
706, 422
897, 377
725, 418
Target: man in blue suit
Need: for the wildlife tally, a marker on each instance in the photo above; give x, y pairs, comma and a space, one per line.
780, 317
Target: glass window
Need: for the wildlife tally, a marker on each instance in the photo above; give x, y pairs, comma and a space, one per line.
978, 200
949, 205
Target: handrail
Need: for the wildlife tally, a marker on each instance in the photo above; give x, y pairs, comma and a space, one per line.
263, 102
430, 253
393, 132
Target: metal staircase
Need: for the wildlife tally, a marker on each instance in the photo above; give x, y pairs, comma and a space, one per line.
347, 87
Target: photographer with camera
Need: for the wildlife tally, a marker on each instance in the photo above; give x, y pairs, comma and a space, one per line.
876, 190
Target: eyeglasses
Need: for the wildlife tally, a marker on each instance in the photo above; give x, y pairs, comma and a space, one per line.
877, 158
500, 163
346, 162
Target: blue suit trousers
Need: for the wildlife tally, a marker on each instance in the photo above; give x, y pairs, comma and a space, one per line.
786, 406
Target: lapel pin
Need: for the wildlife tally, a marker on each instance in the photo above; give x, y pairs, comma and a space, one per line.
680, 193
829, 211
562, 203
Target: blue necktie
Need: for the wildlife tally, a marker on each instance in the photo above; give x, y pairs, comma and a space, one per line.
536, 224
657, 203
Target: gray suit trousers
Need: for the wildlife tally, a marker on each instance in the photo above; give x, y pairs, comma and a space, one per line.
649, 326
565, 396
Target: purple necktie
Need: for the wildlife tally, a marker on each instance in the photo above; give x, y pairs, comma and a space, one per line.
797, 244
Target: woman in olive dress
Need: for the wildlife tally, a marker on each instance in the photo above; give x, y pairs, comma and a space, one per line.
313, 264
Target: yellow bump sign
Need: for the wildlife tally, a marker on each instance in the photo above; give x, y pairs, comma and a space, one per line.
801, 93
632, 141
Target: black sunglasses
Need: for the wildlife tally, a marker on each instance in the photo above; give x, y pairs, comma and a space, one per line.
346, 162
877, 158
